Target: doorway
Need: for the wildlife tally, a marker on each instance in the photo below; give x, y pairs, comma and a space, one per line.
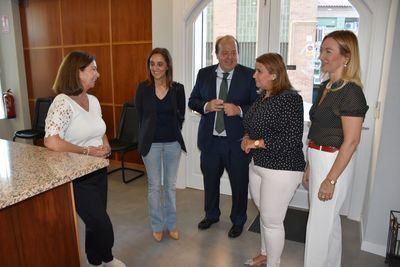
278, 26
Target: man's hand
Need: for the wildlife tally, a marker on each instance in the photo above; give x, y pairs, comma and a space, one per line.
215, 105
231, 109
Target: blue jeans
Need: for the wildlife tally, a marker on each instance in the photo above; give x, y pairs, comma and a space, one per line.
167, 155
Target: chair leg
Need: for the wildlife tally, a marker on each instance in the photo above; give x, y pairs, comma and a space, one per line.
141, 173
123, 168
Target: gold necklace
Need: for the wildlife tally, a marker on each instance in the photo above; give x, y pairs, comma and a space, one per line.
329, 86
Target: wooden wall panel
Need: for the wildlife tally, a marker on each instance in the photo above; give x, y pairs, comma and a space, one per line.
129, 63
41, 66
108, 117
131, 20
117, 32
40, 23
85, 22
103, 88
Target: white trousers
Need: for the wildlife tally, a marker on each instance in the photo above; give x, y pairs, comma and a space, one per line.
272, 191
323, 246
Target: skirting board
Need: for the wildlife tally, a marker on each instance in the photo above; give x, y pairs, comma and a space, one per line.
371, 247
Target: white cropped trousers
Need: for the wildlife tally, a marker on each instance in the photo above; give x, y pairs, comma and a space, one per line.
323, 246
272, 191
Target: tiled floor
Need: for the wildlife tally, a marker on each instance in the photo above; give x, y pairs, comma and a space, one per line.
127, 205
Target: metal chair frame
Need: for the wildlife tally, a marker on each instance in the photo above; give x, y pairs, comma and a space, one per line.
127, 139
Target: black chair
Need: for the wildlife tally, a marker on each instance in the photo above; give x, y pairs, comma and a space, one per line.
41, 108
127, 138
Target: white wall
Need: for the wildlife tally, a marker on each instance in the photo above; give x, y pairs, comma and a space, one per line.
162, 20
12, 70
169, 32
384, 190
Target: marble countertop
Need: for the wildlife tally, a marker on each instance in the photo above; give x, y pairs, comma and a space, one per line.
27, 170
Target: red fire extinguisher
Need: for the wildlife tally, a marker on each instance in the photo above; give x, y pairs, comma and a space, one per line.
9, 104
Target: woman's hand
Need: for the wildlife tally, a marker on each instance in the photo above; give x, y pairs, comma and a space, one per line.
306, 176
248, 144
99, 151
243, 143
326, 190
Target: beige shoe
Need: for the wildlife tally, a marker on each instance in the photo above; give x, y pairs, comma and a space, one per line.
256, 261
158, 236
174, 234
114, 263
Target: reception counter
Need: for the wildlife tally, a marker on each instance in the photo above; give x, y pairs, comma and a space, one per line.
37, 217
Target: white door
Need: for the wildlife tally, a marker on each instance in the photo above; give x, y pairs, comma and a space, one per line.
216, 18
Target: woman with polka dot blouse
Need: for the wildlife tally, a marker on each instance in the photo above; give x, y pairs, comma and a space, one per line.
274, 130
336, 122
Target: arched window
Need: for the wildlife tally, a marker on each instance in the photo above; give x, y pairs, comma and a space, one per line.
302, 25
234, 17
293, 28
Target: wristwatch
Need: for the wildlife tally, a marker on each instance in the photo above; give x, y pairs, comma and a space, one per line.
332, 182
85, 150
257, 143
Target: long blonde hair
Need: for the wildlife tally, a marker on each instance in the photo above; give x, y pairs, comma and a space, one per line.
348, 47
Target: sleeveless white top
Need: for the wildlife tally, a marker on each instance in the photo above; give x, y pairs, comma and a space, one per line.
74, 124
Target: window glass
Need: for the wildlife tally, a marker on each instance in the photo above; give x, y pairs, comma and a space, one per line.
303, 25
235, 17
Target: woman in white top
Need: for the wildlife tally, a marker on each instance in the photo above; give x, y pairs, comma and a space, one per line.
74, 124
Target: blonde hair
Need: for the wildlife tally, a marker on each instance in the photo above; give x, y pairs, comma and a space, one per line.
348, 47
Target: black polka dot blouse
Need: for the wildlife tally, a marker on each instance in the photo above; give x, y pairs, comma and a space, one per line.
326, 125
278, 120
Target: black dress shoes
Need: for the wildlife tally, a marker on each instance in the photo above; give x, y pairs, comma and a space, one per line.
206, 223
235, 231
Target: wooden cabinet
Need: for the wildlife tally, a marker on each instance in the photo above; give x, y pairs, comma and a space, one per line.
38, 226
40, 231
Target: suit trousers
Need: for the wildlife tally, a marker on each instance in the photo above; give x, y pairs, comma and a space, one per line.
220, 155
90, 192
272, 191
323, 246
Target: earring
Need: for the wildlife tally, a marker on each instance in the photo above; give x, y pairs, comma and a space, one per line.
345, 64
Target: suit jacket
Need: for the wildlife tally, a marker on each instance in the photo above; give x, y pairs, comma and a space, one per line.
145, 102
242, 92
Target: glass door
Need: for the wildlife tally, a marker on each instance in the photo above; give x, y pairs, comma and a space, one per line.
235, 17
303, 24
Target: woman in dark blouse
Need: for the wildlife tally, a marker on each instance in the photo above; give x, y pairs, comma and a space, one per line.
274, 131
160, 103
336, 122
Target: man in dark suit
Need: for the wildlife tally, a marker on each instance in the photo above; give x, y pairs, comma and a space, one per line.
222, 93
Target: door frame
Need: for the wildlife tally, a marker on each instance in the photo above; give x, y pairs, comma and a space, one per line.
373, 20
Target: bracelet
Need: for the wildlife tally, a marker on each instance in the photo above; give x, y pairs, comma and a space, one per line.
85, 150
